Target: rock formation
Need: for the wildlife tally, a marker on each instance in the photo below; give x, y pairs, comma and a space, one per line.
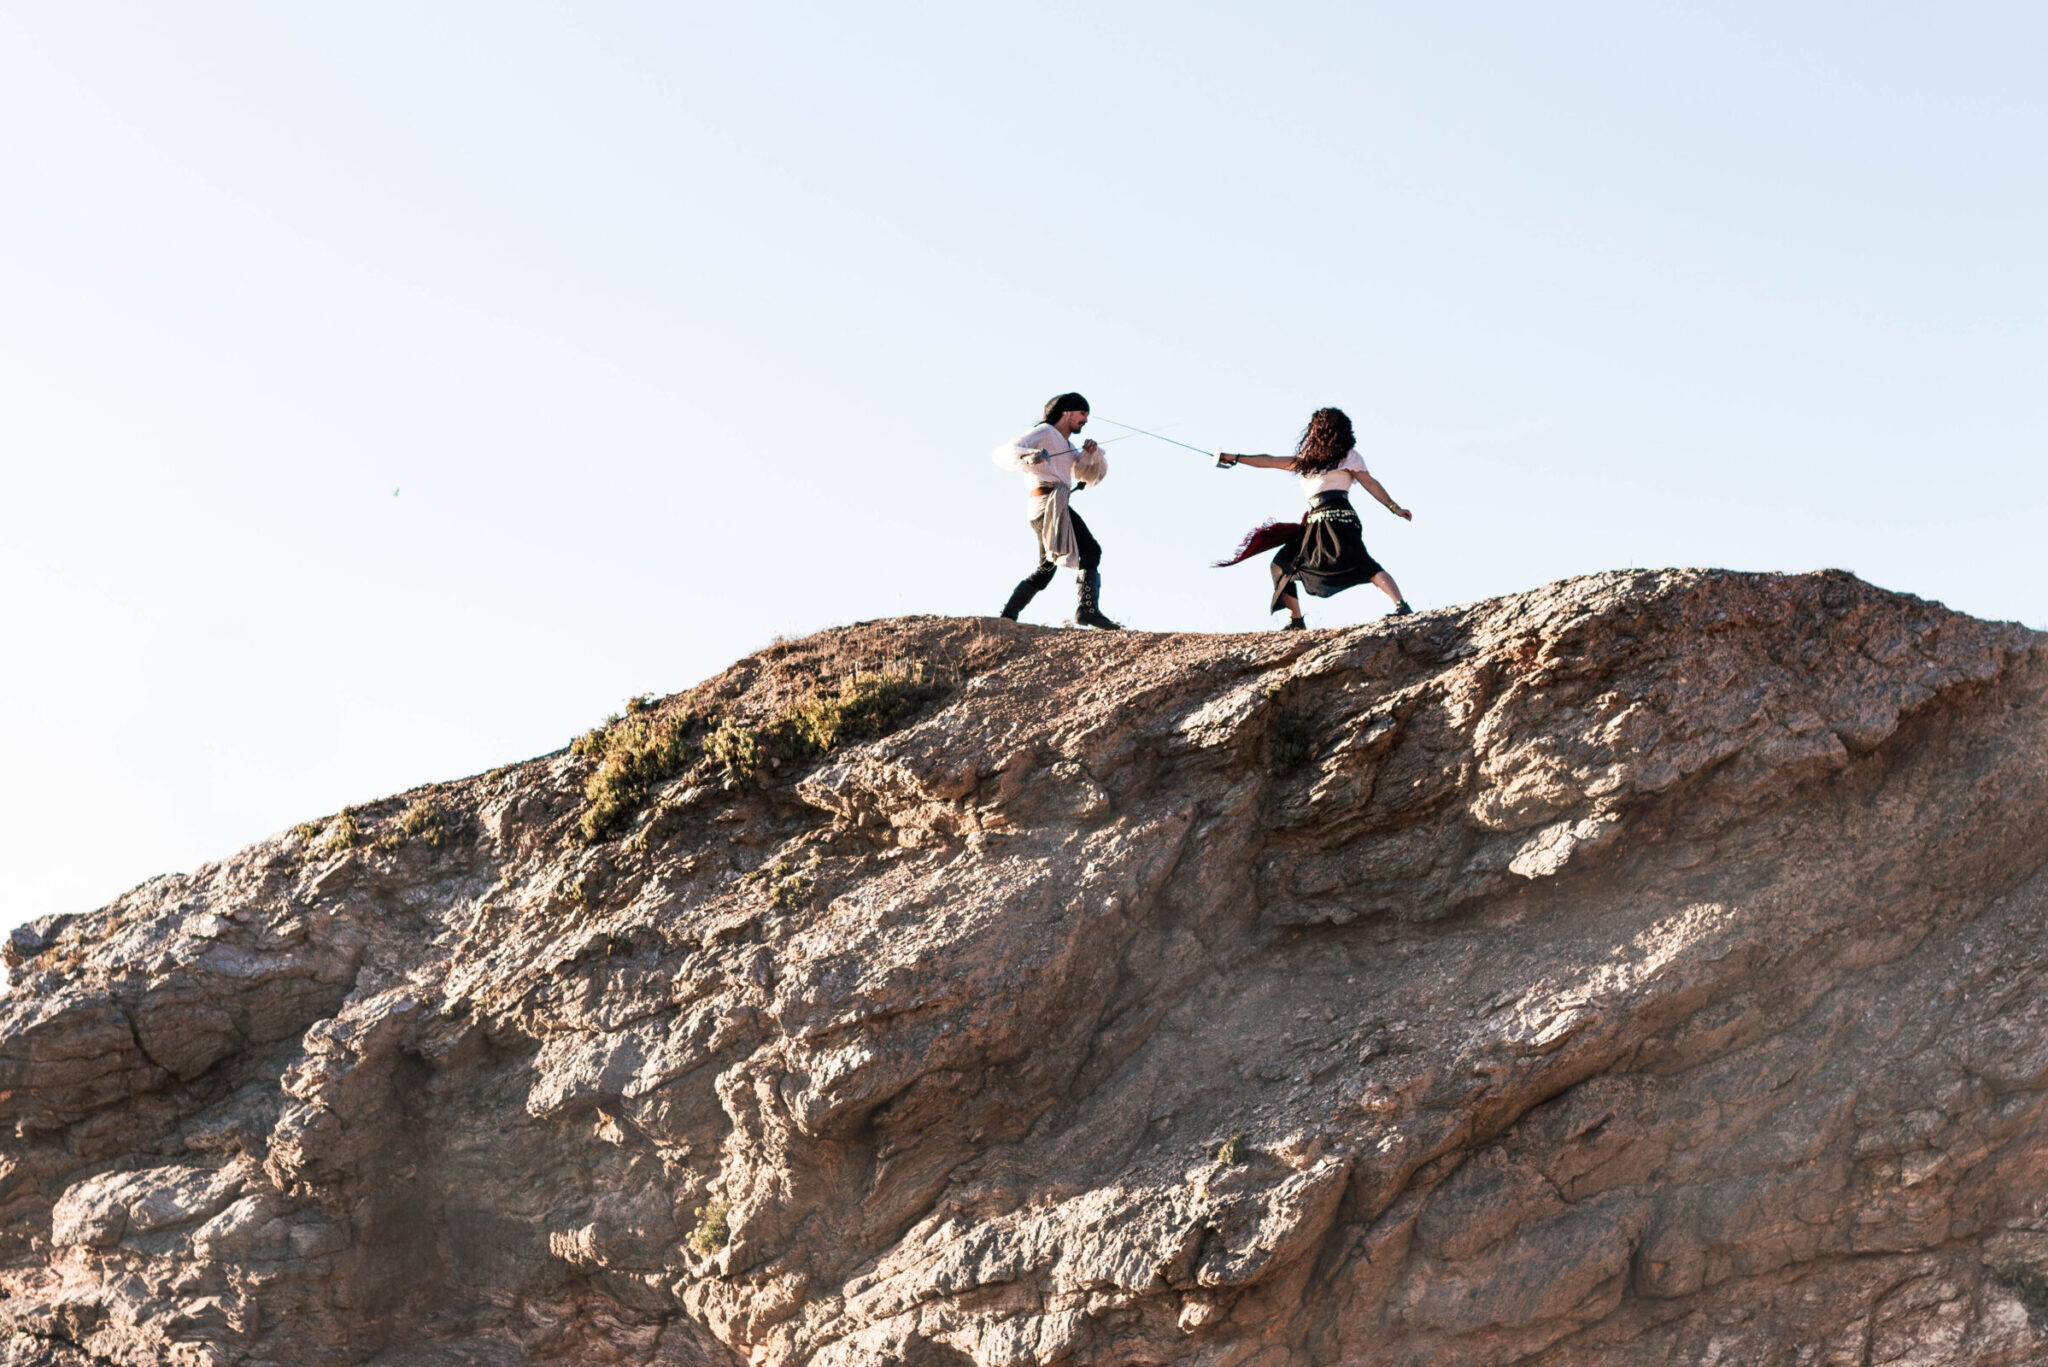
1645, 969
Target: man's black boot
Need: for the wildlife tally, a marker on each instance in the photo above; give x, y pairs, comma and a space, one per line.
1089, 613
1026, 590
1401, 609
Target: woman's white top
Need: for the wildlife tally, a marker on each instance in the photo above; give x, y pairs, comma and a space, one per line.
1337, 479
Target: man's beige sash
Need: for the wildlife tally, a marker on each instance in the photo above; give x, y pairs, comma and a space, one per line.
1055, 527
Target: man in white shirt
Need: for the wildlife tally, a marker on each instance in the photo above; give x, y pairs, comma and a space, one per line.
1046, 457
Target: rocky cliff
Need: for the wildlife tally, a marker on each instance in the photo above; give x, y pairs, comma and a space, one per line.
1646, 969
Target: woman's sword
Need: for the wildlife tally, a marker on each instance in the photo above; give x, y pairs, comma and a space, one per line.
1168, 440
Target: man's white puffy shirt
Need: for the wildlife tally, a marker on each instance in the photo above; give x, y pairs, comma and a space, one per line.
1058, 466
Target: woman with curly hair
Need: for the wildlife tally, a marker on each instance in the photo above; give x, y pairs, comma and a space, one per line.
1324, 552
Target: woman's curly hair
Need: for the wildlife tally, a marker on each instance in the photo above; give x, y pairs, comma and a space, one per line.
1324, 442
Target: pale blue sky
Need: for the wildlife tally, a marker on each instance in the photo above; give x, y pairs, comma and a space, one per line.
679, 328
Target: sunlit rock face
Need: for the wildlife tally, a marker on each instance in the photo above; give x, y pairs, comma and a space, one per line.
1644, 969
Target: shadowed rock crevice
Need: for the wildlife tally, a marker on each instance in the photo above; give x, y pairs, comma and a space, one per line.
1647, 968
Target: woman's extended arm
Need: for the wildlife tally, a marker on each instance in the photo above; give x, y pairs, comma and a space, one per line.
1378, 491
1263, 462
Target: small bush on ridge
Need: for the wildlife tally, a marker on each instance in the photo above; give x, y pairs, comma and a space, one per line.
634, 753
865, 707
646, 745
424, 820
737, 749
343, 832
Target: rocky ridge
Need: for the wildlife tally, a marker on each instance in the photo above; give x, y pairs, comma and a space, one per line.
1644, 969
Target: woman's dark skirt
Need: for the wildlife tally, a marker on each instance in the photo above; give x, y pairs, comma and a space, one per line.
1328, 556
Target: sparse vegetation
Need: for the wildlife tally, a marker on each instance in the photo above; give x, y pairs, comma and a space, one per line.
650, 743
342, 832
712, 1230
865, 707
787, 886
1235, 1150
1292, 742
2027, 1284
791, 887
634, 753
738, 750
862, 707
425, 820
590, 745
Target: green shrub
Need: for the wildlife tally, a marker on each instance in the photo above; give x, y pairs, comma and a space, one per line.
865, 707
862, 707
425, 820
792, 887
342, 832
787, 886
590, 745
737, 749
1236, 1149
712, 1230
633, 754
636, 751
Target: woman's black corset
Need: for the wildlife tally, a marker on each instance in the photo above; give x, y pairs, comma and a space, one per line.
1331, 507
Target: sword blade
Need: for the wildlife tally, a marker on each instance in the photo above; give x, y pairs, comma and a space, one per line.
1155, 436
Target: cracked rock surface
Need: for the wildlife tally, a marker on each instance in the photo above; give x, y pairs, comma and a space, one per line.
1645, 969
